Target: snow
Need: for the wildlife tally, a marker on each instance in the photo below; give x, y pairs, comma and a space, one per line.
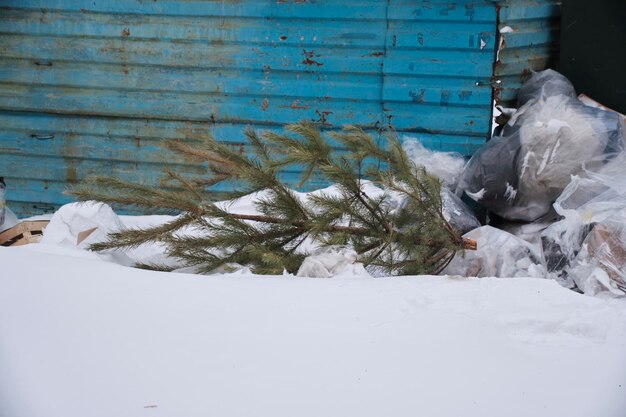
80, 336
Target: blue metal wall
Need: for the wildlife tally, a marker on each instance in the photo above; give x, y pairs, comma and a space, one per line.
91, 86
529, 43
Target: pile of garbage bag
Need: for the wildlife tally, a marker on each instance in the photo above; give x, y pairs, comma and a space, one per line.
552, 135
554, 183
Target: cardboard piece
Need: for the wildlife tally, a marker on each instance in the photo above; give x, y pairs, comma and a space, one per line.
84, 235
23, 233
609, 250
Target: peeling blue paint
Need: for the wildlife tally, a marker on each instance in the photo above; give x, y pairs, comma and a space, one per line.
106, 80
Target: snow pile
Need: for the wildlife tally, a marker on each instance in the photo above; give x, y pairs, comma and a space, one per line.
75, 219
83, 337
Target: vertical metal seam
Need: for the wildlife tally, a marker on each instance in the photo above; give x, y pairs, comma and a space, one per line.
496, 50
382, 66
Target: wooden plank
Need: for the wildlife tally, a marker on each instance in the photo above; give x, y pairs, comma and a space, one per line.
23, 233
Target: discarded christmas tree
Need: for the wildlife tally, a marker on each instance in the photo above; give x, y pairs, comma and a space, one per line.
414, 240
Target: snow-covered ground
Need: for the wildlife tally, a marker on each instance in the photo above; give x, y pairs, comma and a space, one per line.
80, 336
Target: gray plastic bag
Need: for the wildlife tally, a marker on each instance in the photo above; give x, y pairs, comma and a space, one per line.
553, 135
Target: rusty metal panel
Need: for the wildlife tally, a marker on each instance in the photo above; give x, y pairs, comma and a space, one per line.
91, 86
528, 41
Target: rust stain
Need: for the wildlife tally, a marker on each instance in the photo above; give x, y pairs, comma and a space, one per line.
379, 53
264, 104
125, 32
295, 105
308, 55
191, 132
282, 38
113, 49
323, 117
70, 174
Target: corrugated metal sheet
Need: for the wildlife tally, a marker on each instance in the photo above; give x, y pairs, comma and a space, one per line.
91, 87
529, 43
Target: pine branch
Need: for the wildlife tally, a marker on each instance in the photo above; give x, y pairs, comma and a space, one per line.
416, 239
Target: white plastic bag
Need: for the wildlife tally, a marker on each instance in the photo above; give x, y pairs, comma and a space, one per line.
330, 261
499, 254
447, 166
72, 219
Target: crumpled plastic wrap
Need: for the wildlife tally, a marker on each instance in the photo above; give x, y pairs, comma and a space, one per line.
329, 261
499, 254
585, 248
2, 203
600, 265
9, 220
7, 217
447, 166
519, 174
457, 213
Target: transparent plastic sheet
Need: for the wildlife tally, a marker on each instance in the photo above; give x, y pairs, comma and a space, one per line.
457, 213
530, 232
584, 248
454, 210
329, 261
2, 203
519, 174
499, 254
447, 166
600, 265
9, 220
7, 217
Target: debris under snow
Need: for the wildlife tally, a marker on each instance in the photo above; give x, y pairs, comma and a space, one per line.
331, 261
